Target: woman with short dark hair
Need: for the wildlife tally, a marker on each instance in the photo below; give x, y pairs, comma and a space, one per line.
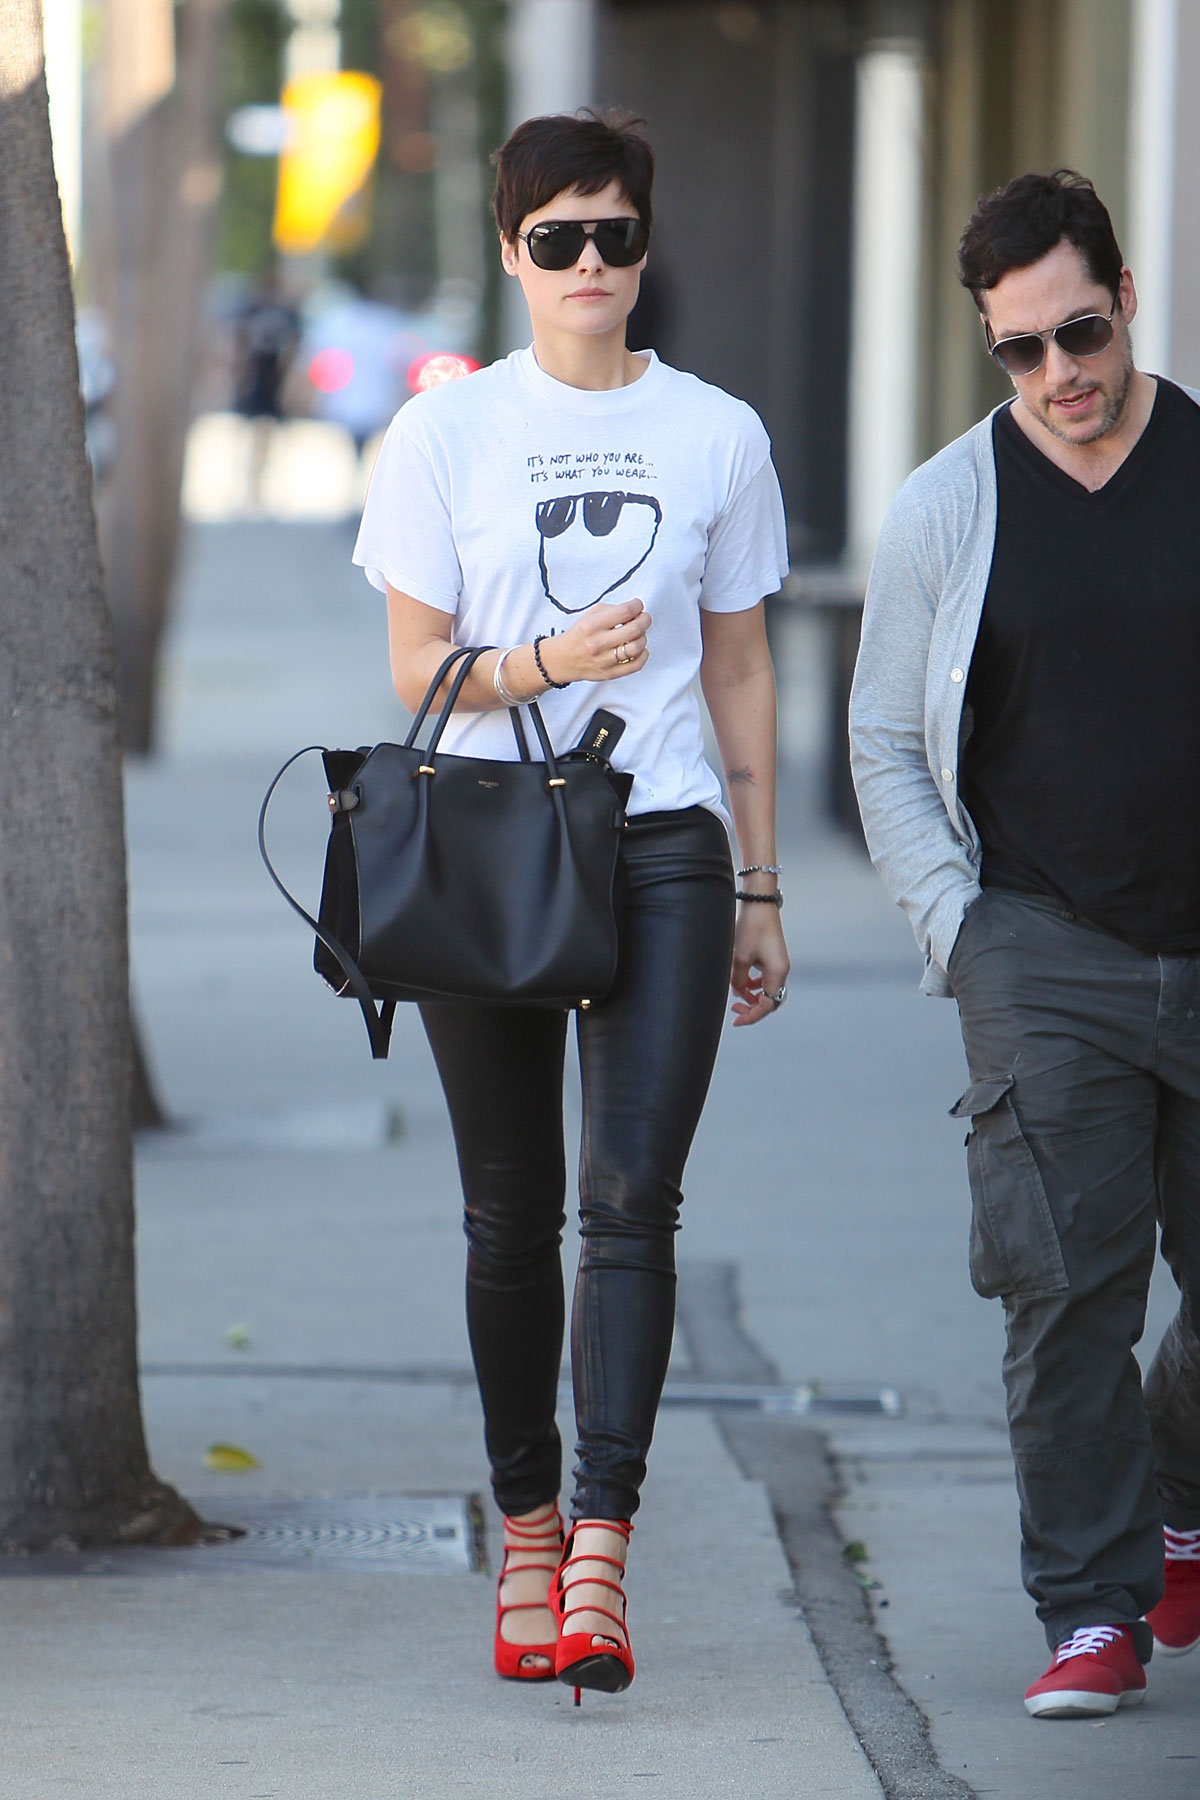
614, 525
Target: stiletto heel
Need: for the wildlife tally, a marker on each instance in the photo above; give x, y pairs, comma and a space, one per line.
591, 1659
539, 1544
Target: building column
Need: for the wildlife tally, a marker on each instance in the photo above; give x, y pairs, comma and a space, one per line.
63, 30
1152, 159
1185, 239
885, 311
551, 64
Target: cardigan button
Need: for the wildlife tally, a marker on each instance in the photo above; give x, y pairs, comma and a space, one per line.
956, 675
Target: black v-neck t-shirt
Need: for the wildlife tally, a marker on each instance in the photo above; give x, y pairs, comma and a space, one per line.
1081, 769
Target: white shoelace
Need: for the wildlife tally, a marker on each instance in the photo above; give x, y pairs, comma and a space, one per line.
1182, 1546
1089, 1640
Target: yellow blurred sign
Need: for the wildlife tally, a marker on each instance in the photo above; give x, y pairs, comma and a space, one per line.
333, 136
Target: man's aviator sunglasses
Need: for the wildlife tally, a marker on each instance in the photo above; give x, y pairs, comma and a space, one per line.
1078, 337
558, 244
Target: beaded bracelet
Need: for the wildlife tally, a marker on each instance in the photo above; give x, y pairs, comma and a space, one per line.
541, 667
761, 869
775, 899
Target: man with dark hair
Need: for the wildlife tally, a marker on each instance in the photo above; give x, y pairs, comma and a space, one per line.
1025, 735
1017, 226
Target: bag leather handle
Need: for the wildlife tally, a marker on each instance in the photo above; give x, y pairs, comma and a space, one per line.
535, 713
431, 690
456, 687
379, 1024
468, 655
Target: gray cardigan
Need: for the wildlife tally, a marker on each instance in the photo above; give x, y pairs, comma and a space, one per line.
924, 599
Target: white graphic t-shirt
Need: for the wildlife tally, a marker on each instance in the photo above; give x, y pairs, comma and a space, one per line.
513, 502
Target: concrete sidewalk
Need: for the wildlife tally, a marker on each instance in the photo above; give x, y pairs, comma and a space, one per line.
310, 1217
301, 1268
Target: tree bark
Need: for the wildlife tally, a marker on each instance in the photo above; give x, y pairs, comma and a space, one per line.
73, 1463
163, 180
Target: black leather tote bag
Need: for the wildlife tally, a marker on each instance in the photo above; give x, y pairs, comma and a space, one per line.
459, 877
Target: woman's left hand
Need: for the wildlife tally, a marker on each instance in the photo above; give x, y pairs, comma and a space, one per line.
760, 963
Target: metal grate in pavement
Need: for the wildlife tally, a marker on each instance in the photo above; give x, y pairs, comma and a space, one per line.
809, 1399
426, 1531
402, 1532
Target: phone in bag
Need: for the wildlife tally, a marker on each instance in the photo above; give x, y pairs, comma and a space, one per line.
600, 737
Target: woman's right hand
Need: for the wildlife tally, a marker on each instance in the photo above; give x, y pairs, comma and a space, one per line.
601, 644
605, 642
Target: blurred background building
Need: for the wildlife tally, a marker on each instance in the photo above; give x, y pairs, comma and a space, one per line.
817, 160
818, 163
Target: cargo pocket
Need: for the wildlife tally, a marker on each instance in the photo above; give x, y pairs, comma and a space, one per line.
1014, 1243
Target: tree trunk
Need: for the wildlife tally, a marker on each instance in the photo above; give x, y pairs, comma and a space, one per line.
73, 1461
162, 182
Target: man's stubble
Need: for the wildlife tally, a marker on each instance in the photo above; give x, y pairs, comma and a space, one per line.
1113, 410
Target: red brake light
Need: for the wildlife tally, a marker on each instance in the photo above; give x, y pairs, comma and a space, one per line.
331, 370
433, 367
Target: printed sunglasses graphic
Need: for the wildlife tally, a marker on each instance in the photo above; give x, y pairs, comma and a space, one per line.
590, 544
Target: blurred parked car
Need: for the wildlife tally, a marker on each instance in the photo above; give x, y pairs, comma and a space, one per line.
357, 354
97, 379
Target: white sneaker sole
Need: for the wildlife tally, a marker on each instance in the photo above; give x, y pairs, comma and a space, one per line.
1080, 1703
1161, 1649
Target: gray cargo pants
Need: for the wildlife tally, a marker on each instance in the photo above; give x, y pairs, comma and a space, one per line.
1084, 1058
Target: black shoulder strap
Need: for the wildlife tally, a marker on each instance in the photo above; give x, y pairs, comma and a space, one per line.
379, 1024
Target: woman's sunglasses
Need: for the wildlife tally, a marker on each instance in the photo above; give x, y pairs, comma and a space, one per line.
619, 242
1078, 337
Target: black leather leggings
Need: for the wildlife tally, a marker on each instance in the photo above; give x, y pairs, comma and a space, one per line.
646, 1056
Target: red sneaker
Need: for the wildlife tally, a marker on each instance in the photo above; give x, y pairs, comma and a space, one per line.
1175, 1621
1094, 1671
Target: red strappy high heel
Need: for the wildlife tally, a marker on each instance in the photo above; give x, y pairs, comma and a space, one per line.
539, 1545
591, 1659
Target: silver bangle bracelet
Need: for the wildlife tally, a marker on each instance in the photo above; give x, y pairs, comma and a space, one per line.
504, 693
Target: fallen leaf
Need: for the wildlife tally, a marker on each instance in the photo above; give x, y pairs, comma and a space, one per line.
229, 1459
238, 1337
